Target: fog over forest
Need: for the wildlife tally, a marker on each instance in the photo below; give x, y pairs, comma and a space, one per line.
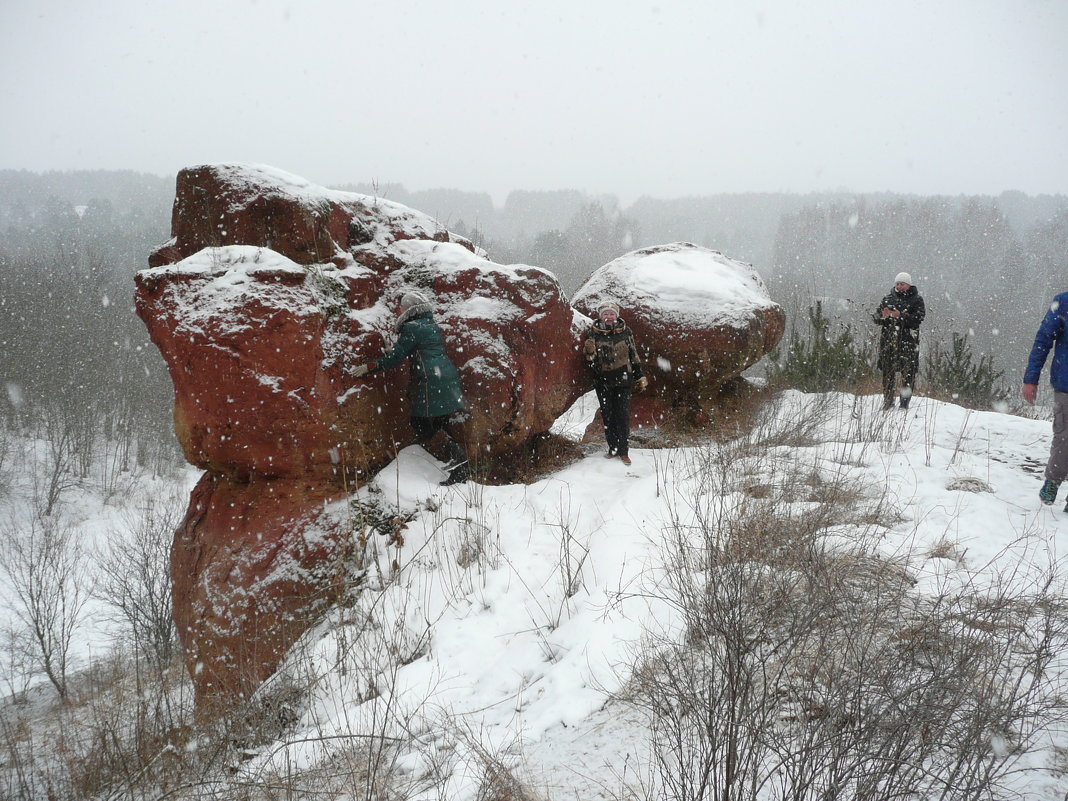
71, 241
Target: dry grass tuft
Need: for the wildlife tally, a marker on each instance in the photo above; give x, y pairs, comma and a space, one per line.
544, 454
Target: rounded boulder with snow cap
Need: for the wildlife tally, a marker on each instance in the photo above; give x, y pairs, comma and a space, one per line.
699, 317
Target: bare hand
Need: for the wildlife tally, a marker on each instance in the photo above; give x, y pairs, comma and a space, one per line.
885, 313
1030, 392
643, 382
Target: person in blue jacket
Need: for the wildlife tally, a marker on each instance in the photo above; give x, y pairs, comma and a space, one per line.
1051, 335
434, 389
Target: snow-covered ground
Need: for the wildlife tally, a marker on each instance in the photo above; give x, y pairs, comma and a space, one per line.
506, 626
520, 610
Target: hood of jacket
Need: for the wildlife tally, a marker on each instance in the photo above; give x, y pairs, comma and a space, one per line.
907, 295
617, 327
418, 310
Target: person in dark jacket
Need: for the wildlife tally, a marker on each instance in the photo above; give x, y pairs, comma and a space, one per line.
900, 315
617, 371
1051, 335
434, 389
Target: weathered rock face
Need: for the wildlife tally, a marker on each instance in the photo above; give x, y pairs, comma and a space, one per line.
516, 342
267, 296
245, 333
243, 204
699, 318
252, 566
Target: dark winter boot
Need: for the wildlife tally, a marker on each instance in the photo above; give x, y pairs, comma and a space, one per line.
904, 402
1048, 493
457, 476
457, 466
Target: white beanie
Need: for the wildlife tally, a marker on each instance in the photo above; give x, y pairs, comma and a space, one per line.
903, 278
607, 304
413, 298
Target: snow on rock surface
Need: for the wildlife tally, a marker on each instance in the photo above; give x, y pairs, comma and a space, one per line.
699, 317
269, 293
244, 204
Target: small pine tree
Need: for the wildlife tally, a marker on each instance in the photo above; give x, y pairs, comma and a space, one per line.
819, 361
952, 373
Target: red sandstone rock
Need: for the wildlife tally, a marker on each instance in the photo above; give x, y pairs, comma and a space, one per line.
255, 346
251, 204
253, 565
268, 295
699, 318
510, 333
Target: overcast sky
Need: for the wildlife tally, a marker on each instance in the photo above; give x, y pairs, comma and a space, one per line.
663, 98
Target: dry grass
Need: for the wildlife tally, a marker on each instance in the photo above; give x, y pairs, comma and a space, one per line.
544, 454
500, 784
946, 548
797, 623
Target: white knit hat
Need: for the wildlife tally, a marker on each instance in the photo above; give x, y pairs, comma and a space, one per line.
413, 298
607, 304
903, 278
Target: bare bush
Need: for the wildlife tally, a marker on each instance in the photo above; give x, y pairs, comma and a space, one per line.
122, 733
135, 578
53, 468
809, 667
17, 665
47, 588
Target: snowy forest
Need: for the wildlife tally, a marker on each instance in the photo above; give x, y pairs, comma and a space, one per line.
553, 637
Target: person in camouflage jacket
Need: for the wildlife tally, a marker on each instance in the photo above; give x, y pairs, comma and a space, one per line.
617, 371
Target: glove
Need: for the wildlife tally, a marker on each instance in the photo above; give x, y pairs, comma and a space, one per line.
360, 370
643, 382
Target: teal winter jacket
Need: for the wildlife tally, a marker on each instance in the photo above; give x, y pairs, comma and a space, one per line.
434, 388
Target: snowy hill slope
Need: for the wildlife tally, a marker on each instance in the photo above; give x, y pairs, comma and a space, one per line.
885, 578
516, 615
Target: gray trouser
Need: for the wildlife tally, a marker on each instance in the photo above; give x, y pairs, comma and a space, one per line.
1057, 466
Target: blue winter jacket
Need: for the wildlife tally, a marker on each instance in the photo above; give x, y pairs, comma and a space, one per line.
1051, 334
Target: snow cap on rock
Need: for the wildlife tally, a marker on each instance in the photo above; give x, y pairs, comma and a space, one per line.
413, 298
705, 316
903, 278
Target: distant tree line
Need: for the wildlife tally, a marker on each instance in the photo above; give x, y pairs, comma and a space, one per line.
70, 243
71, 347
986, 278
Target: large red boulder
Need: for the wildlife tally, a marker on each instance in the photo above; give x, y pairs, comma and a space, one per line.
699, 318
254, 204
256, 347
270, 292
511, 334
253, 565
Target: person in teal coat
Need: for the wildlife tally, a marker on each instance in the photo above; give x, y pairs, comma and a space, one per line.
434, 390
